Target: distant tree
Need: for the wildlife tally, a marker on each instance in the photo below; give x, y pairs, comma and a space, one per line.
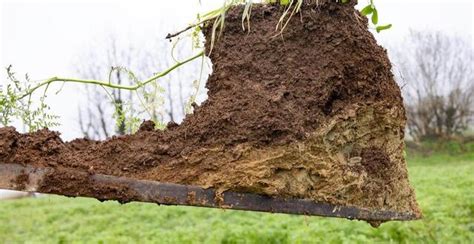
95, 118
437, 75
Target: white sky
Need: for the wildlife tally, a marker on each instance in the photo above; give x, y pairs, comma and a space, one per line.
43, 37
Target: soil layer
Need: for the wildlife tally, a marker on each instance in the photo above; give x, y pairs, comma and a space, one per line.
312, 113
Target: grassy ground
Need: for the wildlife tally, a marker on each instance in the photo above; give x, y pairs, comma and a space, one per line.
444, 186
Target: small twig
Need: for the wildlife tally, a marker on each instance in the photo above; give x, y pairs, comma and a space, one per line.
169, 36
208, 17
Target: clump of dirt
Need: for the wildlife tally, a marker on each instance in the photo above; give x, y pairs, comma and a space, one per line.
22, 180
69, 183
312, 113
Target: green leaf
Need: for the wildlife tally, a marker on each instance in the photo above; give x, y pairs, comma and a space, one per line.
367, 10
284, 2
383, 27
375, 17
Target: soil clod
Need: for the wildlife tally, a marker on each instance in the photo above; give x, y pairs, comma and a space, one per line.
313, 113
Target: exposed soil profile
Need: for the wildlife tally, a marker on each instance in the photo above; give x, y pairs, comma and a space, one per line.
313, 113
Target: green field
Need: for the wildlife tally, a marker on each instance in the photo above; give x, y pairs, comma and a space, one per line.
444, 186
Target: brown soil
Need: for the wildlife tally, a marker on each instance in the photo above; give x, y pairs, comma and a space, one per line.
314, 113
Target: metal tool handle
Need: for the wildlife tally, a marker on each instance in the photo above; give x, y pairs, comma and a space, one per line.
104, 187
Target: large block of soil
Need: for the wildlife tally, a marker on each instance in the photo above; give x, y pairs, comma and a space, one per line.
312, 113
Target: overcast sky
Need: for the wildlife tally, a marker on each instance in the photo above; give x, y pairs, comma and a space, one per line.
44, 37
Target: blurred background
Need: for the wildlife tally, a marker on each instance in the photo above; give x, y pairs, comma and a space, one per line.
430, 44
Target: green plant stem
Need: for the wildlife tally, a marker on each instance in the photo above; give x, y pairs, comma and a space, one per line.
108, 84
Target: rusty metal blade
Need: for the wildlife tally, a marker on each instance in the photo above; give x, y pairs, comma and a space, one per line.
104, 187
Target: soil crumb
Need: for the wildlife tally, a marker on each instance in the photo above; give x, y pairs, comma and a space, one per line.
312, 113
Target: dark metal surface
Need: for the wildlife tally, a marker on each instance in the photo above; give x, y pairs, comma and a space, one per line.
174, 194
